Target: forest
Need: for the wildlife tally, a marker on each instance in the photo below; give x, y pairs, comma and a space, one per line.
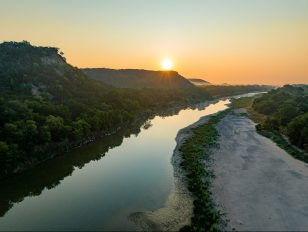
48, 107
286, 111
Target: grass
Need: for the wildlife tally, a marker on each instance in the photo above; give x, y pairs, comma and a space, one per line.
275, 136
246, 102
195, 151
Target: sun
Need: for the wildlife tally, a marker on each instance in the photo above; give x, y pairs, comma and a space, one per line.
166, 64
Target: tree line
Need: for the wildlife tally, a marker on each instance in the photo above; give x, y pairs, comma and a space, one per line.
286, 111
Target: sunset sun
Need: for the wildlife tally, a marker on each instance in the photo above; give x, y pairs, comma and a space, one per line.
166, 64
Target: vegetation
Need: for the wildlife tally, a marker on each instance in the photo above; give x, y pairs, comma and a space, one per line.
243, 102
195, 150
246, 102
286, 111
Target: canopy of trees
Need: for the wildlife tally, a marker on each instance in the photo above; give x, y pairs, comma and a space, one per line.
286, 109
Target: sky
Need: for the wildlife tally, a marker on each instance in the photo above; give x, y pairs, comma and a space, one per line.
222, 41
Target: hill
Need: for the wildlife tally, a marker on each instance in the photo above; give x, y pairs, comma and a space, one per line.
198, 82
138, 78
48, 106
42, 71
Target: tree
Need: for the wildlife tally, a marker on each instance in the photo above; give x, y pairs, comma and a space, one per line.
30, 132
4, 148
286, 113
12, 132
56, 127
45, 135
297, 130
80, 128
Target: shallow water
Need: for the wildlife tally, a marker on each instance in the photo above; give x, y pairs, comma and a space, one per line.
97, 186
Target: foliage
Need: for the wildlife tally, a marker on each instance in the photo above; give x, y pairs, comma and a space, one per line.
286, 111
246, 102
195, 150
243, 102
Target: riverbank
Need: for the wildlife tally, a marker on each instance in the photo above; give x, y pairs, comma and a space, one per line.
59, 149
258, 185
127, 175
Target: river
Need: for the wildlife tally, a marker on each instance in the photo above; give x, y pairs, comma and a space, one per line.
98, 186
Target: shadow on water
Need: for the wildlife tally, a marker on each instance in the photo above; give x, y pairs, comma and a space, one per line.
50, 173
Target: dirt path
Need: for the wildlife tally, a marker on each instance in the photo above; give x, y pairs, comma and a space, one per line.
258, 185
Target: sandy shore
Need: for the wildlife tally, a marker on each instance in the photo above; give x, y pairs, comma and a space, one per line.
179, 207
258, 185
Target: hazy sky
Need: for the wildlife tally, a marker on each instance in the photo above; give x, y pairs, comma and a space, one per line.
232, 41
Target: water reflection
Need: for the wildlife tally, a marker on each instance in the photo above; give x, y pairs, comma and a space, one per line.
82, 191
49, 174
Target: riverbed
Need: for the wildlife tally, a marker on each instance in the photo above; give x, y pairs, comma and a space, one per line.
258, 186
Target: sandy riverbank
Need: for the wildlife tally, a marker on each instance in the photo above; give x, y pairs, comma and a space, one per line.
179, 207
258, 185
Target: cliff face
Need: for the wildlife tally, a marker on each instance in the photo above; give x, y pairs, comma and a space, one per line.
41, 71
198, 82
136, 78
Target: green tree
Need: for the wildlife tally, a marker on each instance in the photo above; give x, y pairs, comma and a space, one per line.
45, 135
80, 128
297, 130
56, 127
12, 132
286, 113
30, 132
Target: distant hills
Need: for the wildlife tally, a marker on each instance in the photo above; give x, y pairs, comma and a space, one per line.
198, 81
139, 78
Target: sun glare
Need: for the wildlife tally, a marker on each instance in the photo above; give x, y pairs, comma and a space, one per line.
166, 64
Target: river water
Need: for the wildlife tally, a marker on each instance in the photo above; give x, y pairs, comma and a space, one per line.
98, 186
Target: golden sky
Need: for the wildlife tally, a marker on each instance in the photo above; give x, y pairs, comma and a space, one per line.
222, 41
